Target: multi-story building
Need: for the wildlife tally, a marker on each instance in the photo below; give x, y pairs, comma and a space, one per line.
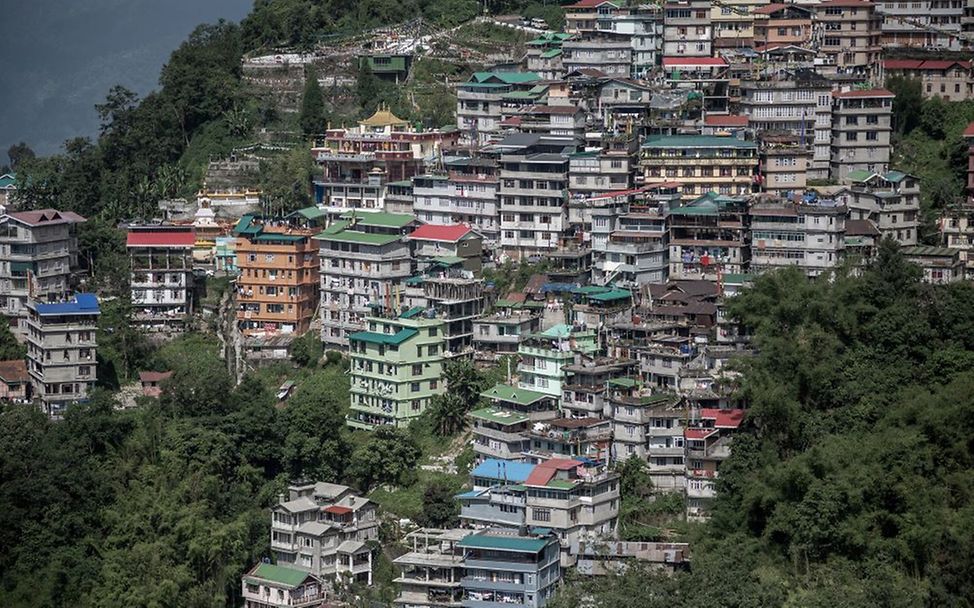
810, 235
273, 586
322, 529
650, 427
396, 368
607, 52
687, 28
708, 439
533, 193
940, 265
734, 23
707, 237
702, 163
947, 79
928, 24
784, 164
545, 355
506, 568
446, 291
61, 344
861, 129
364, 263
161, 261
384, 142
8, 188
798, 104
277, 288
850, 37
544, 55
432, 570
777, 25
466, 193
636, 251
571, 498
641, 26
707, 77
499, 334
481, 99
584, 394
891, 201
501, 434
14, 381
38, 250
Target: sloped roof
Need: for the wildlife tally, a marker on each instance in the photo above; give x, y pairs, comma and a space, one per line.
46, 216
14, 371
154, 376
280, 575
723, 419
383, 117
449, 233
520, 544
521, 396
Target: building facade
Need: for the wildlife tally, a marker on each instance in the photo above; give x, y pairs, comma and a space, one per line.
161, 261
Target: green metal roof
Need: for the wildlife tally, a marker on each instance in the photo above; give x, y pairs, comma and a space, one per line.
895, 176
551, 53
557, 331
859, 175
505, 77
448, 260
310, 213
590, 289
519, 544
386, 220
615, 294
697, 141
623, 382
276, 237
560, 484
246, 225
287, 577
412, 312
392, 339
737, 279
363, 238
7, 180
336, 227
519, 95
521, 396
499, 415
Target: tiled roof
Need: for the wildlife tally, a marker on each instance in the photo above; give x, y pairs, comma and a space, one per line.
449, 233
14, 371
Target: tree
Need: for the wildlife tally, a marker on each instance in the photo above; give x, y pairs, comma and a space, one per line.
440, 508
907, 104
312, 117
388, 457
286, 181
10, 348
306, 351
367, 89
464, 384
19, 154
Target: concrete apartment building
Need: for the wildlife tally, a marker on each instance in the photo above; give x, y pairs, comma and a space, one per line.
481, 99
650, 427
432, 570
708, 438
61, 346
708, 238
272, 586
636, 251
784, 164
466, 193
861, 129
38, 250
687, 29
850, 37
544, 356
890, 201
364, 263
948, 79
277, 285
396, 368
809, 235
701, 163
778, 25
733, 23
322, 529
14, 381
499, 334
161, 259
533, 193
940, 265
641, 26
505, 568
607, 52
584, 395
928, 24
797, 104
501, 434
566, 496
448, 292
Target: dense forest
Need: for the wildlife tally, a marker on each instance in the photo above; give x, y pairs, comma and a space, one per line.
852, 484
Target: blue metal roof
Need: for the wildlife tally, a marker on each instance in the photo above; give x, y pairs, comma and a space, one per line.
82, 304
493, 468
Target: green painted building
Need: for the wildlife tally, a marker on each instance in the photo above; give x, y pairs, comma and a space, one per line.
544, 356
396, 369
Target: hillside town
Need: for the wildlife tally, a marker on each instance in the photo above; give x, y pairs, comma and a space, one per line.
580, 231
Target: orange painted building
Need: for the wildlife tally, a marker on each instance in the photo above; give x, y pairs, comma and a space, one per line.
277, 289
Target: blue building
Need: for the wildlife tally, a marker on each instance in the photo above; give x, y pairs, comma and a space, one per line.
61, 350
505, 568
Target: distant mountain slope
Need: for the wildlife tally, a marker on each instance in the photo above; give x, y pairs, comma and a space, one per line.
62, 56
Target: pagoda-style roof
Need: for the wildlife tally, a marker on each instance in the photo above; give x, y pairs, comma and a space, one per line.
383, 117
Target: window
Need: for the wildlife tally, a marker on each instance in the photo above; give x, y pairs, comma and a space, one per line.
541, 514
417, 369
414, 387
872, 136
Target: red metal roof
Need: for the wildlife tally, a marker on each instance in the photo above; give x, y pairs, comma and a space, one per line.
434, 232
723, 419
337, 510
154, 376
919, 64
544, 472
902, 64
866, 93
678, 61
161, 238
698, 433
725, 121
969, 131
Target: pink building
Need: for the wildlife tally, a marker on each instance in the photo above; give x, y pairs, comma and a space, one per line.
14, 380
